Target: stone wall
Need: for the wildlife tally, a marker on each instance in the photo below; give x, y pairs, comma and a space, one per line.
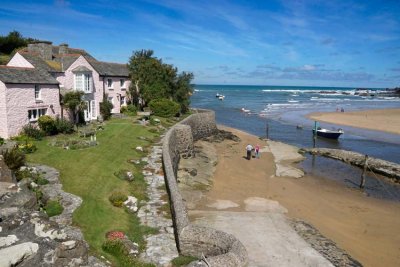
220, 248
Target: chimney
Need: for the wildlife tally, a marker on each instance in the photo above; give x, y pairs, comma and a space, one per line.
63, 49
43, 48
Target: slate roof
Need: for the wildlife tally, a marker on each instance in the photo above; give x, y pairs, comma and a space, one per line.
110, 69
25, 76
38, 62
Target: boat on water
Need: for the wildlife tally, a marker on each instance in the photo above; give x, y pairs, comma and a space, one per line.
331, 134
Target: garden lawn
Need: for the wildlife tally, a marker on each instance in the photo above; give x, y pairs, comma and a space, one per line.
89, 173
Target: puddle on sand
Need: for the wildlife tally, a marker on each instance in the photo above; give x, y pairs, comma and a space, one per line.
376, 186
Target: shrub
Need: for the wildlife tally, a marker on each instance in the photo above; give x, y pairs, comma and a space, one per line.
33, 132
47, 124
105, 109
64, 126
117, 198
164, 107
116, 248
27, 147
1, 141
53, 208
14, 158
130, 110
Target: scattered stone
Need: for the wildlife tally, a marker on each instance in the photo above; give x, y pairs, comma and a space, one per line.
8, 240
129, 176
139, 148
13, 255
131, 203
147, 173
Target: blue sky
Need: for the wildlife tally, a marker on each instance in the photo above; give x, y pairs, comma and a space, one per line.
272, 42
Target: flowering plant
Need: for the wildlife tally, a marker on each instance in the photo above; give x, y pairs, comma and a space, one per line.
113, 235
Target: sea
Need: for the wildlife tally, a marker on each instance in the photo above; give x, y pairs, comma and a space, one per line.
279, 113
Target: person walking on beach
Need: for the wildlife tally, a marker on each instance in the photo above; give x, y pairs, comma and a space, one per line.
257, 151
249, 148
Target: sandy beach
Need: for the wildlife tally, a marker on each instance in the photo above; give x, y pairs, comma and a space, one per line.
366, 228
386, 120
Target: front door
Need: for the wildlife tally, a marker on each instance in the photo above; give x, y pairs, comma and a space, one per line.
111, 100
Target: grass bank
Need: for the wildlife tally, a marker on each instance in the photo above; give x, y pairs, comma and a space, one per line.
89, 173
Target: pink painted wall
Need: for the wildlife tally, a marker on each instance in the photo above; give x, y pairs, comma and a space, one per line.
3, 111
19, 61
68, 81
116, 91
20, 98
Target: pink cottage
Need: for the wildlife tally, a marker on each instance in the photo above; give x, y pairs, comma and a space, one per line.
31, 83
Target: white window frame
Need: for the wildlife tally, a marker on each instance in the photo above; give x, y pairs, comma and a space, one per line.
86, 82
38, 93
122, 83
110, 83
35, 113
90, 111
122, 101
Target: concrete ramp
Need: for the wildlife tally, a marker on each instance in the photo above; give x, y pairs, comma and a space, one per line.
267, 236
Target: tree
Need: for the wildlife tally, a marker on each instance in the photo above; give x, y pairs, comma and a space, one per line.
73, 100
153, 79
105, 108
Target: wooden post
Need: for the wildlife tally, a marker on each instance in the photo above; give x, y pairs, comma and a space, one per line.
267, 129
362, 183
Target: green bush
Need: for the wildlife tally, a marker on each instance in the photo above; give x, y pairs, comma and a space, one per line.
47, 124
1, 141
53, 208
32, 131
27, 147
14, 158
130, 110
117, 198
164, 107
64, 126
105, 109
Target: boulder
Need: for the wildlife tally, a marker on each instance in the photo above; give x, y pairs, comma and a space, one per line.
71, 253
11, 256
5, 172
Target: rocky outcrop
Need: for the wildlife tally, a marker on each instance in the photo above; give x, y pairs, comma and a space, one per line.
29, 238
386, 168
5, 172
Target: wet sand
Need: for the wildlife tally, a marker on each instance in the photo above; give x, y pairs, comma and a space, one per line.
386, 120
367, 228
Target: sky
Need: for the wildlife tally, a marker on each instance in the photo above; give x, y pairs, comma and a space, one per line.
340, 43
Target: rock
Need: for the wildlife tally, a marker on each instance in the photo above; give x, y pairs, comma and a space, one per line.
25, 198
139, 148
45, 230
5, 172
13, 255
8, 240
129, 176
131, 203
73, 254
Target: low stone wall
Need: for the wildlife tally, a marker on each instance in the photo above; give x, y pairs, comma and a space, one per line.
220, 248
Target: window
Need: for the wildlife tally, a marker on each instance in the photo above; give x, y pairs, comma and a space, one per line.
109, 83
122, 83
83, 82
123, 101
37, 92
34, 114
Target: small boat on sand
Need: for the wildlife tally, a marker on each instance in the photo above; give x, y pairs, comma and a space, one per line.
331, 134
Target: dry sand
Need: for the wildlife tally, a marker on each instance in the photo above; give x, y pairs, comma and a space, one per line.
367, 228
387, 120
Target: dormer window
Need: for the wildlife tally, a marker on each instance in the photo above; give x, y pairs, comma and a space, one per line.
37, 92
83, 82
109, 83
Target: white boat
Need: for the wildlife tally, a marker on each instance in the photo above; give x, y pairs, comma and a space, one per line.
245, 110
221, 97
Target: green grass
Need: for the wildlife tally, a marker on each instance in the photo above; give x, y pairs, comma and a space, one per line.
53, 208
182, 261
89, 173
